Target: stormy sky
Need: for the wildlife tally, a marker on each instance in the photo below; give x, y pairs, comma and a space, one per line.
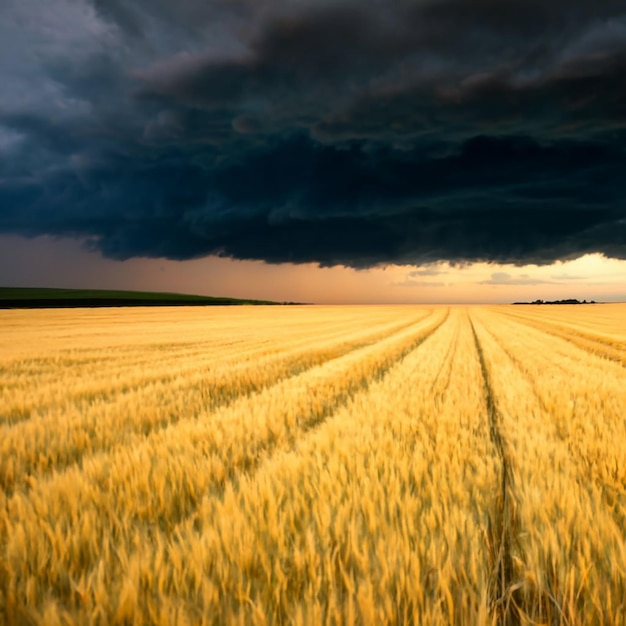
346, 133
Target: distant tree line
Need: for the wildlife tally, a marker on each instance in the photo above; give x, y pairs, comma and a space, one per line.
567, 301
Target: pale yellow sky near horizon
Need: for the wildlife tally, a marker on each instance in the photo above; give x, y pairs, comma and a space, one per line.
49, 262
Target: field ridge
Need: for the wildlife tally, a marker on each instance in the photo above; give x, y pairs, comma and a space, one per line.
47, 297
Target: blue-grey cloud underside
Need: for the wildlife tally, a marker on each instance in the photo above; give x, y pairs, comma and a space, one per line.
355, 133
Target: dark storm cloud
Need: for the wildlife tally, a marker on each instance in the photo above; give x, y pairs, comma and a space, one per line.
341, 133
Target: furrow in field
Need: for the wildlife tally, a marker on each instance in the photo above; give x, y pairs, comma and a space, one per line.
442, 380
506, 602
99, 361
79, 334
584, 398
374, 517
563, 354
69, 381
60, 440
159, 481
388, 543
562, 571
76, 388
95, 368
605, 347
246, 470
375, 370
523, 370
603, 321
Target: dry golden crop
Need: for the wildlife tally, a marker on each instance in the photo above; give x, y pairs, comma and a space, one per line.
313, 465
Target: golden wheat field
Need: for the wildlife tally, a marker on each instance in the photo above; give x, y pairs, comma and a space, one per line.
362, 465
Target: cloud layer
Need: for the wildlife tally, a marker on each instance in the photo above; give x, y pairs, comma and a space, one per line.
354, 133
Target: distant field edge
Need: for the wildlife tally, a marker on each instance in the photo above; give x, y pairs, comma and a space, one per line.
46, 298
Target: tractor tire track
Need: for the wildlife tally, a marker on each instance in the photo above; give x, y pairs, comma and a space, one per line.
246, 471
14, 471
184, 498
582, 340
442, 380
170, 370
613, 495
262, 451
505, 600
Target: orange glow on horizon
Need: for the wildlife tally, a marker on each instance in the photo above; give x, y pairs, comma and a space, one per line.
48, 262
